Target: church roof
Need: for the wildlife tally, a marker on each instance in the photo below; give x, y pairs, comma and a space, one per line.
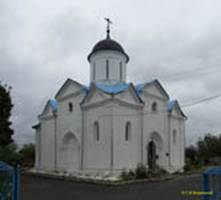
172, 104
108, 44
140, 87
112, 88
118, 87
68, 82
53, 104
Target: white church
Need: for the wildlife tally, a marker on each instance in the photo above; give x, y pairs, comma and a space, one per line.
111, 124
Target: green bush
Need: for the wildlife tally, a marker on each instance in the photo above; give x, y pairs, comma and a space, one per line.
192, 166
27, 155
132, 174
128, 175
187, 168
142, 172
157, 172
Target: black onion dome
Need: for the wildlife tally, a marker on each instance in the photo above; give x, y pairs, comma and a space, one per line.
108, 44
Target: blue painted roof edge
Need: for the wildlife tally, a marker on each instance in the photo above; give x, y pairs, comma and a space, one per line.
87, 89
112, 89
53, 104
140, 87
137, 94
83, 87
173, 103
107, 89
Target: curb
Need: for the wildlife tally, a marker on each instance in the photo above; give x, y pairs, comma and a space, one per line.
103, 182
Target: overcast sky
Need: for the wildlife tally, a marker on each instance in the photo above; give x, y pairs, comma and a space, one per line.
44, 42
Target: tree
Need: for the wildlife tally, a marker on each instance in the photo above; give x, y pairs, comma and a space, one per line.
5, 113
7, 147
193, 161
206, 152
9, 154
192, 154
209, 147
27, 155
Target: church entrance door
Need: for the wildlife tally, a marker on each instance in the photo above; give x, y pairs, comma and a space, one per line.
151, 154
71, 152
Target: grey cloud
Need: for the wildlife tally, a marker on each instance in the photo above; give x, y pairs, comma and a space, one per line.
41, 46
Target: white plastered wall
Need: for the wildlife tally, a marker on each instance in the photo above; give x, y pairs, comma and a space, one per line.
98, 59
69, 123
47, 143
177, 144
127, 154
97, 153
155, 123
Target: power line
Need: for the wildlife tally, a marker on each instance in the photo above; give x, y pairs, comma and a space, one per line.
163, 111
202, 101
199, 69
189, 72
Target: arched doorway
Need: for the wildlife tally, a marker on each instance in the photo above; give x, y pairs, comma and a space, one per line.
71, 152
154, 150
152, 155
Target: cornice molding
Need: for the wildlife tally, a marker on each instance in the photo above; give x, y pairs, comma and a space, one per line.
112, 100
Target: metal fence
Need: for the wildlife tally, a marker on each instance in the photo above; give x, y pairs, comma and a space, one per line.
212, 184
9, 182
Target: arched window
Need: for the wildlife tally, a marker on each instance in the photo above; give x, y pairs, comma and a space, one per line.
174, 136
94, 71
154, 106
70, 107
96, 131
128, 131
69, 138
107, 69
121, 71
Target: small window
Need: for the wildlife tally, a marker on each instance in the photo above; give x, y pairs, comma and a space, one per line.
94, 71
121, 71
96, 131
128, 131
70, 106
174, 136
154, 106
107, 69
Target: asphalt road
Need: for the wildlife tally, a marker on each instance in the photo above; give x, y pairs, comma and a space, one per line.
36, 188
